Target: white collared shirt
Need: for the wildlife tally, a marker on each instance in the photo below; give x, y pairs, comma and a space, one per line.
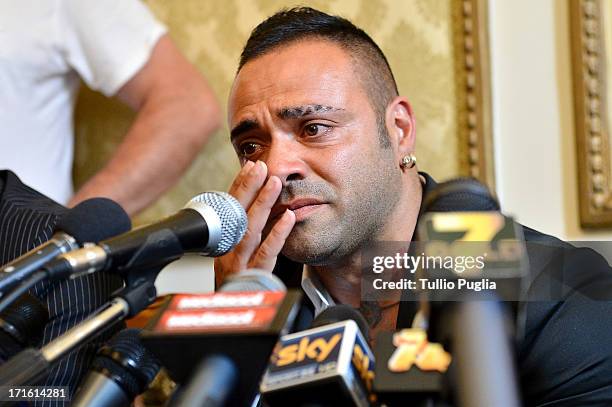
315, 291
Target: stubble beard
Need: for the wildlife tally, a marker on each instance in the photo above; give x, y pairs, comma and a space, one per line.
373, 193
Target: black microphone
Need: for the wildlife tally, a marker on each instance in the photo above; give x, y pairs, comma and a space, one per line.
227, 336
211, 384
461, 194
342, 312
328, 365
462, 215
89, 221
123, 369
216, 376
21, 325
166, 240
210, 224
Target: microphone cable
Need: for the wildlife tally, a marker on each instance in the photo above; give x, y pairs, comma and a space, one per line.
21, 289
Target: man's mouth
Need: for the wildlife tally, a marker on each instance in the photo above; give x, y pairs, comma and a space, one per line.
302, 207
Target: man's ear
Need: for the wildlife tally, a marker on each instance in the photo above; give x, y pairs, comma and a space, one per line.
401, 125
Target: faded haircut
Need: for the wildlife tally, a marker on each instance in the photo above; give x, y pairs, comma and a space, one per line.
301, 23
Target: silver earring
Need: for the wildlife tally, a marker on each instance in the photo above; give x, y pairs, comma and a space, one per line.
408, 161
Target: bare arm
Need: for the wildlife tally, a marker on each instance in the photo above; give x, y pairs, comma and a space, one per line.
177, 112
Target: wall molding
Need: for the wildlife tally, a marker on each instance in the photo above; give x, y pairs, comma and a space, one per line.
471, 37
590, 111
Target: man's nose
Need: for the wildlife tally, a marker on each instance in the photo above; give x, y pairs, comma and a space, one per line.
284, 159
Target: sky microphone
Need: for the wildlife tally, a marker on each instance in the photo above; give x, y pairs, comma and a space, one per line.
329, 365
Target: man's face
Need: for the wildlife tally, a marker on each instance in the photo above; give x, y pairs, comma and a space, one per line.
303, 111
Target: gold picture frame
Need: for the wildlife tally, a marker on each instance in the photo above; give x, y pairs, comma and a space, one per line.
590, 112
474, 90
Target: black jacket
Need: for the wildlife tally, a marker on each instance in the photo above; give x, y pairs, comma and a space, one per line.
27, 219
565, 354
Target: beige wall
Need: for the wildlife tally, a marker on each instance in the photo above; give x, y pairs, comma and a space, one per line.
533, 116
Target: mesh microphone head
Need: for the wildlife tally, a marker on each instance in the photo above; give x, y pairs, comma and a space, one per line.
252, 280
127, 362
460, 194
225, 218
22, 325
342, 312
94, 220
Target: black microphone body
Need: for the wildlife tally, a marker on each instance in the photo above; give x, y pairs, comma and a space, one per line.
99, 390
28, 263
210, 224
185, 231
475, 326
30, 366
211, 384
122, 370
21, 325
485, 371
414, 387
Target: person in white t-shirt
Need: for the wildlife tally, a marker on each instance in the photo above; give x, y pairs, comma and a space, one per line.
118, 48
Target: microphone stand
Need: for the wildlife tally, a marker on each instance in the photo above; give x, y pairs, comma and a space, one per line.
16, 271
486, 371
212, 383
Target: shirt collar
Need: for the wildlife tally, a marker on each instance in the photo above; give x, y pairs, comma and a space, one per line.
311, 284
315, 291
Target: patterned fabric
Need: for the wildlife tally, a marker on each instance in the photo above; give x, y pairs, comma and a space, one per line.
28, 219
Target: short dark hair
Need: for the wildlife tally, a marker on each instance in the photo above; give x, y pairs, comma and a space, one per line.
300, 23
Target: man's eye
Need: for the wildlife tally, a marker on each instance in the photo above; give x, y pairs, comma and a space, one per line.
312, 129
247, 149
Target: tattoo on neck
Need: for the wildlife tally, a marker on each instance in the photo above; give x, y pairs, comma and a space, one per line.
371, 311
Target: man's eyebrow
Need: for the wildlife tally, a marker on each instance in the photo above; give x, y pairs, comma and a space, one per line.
243, 127
296, 112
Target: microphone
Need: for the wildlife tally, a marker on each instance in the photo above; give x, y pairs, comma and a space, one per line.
122, 370
89, 221
210, 224
328, 365
187, 230
226, 337
461, 222
472, 322
399, 378
21, 325
460, 194
342, 312
211, 384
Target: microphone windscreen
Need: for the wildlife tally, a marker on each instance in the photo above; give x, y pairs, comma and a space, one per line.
123, 377
127, 360
342, 312
460, 194
252, 280
231, 219
27, 316
94, 220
